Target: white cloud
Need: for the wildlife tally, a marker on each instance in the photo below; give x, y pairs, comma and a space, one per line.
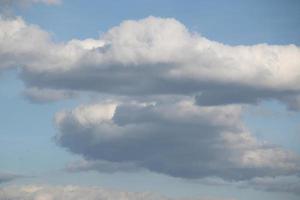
160, 57
152, 56
24, 45
181, 140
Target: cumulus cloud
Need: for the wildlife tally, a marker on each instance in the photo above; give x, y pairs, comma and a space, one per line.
24, 45
152, 56
180, 140
157, 58
46, 192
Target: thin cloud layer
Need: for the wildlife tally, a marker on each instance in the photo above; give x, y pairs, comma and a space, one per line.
27, 2
287, 184
37, 95
46, 192
153, 56
180, 140
7, 177
7, 6
279, 184
101, 166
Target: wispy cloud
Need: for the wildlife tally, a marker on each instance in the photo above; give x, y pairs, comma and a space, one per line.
7, 177
45, 192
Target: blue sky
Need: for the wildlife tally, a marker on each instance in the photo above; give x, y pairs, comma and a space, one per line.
231, 22
37, 144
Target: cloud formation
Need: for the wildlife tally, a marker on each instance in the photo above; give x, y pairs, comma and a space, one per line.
153, 56
23, 45
46, 192
181, 140
154, 59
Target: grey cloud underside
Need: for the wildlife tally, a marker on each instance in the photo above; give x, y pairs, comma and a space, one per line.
236, 94
150, 80
114, 80
153, 81
137, 82
180, 140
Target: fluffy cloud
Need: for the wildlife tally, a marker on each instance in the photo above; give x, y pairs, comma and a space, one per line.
24, 45
158, 58
46, 192
152, 56
181, 140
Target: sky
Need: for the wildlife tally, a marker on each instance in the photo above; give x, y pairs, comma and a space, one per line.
149, 99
